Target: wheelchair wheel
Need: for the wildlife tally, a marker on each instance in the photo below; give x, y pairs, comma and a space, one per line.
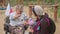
7, 32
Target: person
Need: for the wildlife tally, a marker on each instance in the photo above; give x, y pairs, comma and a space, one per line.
17, 18
41, 24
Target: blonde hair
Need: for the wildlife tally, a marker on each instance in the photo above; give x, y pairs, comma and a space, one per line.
20, 7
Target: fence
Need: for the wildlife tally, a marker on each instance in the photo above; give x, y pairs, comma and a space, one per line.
47, 8
26, 2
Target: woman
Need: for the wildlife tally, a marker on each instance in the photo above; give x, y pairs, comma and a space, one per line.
42, 24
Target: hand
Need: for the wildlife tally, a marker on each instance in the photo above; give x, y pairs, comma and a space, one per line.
17, 15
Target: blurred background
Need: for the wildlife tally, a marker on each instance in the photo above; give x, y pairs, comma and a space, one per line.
52, 7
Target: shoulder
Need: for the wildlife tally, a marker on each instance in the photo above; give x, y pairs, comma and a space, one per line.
43, 20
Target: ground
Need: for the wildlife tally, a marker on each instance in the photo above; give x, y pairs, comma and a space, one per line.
2, 17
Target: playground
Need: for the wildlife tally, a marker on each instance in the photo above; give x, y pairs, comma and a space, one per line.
48, 8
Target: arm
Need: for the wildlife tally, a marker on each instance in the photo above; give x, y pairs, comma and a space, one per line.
16, 16
25, 19
13, 17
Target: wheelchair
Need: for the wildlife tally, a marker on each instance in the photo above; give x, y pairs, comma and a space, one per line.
17, 30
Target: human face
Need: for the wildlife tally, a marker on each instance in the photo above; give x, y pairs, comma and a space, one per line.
18, 11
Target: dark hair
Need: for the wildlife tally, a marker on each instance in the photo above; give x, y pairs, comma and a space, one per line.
34, 11
46, 15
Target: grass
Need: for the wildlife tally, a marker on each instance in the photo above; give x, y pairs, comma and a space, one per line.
59, 12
